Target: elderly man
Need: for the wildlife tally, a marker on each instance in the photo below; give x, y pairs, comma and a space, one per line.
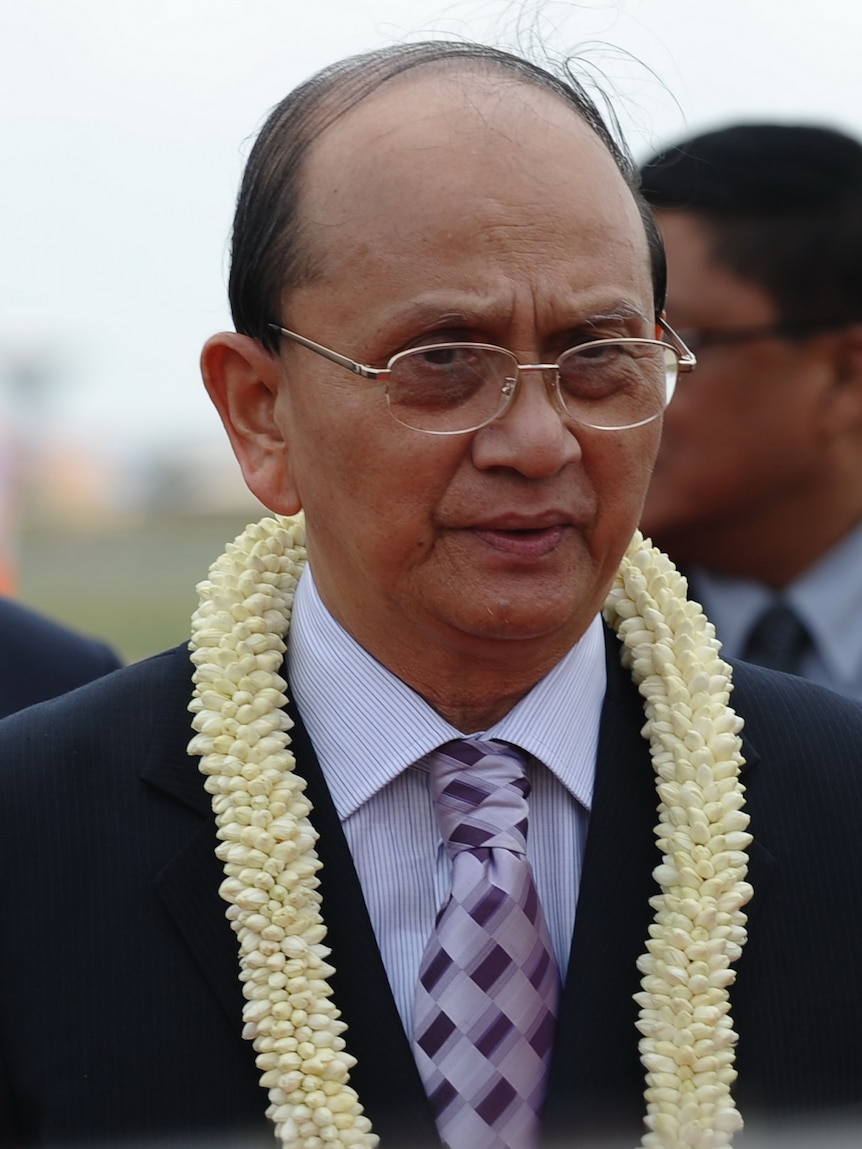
758, 486
435, 813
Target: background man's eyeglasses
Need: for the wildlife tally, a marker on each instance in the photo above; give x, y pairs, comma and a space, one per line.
697, 338
454, 388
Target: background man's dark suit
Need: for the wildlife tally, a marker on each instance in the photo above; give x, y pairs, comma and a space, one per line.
40, 659
119, 999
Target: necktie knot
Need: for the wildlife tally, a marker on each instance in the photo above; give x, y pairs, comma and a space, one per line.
480, 808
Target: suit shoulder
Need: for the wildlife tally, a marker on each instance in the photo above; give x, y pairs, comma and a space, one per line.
767, 698
806, 744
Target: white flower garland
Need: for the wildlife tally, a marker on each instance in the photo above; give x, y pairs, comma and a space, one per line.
267, 846
688, 1040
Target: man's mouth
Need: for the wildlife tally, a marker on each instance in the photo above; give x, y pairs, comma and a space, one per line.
524, 542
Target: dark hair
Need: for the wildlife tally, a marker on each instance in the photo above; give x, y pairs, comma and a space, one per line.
784, 206
267, 252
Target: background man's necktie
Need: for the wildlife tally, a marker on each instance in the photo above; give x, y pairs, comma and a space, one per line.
488, 983
778, 639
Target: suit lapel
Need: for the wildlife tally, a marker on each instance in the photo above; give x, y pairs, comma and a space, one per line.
596, 1070
188, 885
597, 1077
385, 1076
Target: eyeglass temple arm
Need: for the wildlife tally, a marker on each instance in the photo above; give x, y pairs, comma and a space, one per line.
332, 356
687, 359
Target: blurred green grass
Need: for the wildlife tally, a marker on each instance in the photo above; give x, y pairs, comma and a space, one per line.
132, 583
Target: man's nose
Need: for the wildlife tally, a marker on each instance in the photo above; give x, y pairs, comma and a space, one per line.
534, 436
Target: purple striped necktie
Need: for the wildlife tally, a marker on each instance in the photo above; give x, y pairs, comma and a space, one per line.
488, 984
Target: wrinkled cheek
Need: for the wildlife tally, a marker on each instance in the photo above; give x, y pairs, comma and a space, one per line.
625, 460
621, 497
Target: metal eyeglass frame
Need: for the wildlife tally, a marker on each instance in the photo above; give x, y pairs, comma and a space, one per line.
685, 358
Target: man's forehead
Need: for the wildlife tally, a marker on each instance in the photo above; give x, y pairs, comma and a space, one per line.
435, 106
474, 141
476, 178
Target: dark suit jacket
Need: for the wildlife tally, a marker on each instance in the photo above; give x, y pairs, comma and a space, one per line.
40, 659
119, 1000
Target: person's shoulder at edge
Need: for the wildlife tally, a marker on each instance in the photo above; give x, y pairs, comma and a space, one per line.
41, 658
149, 697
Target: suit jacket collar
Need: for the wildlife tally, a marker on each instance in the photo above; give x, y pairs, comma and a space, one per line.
188, 885
166, 764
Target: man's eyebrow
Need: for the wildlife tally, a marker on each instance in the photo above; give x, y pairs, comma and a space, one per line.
624, 311
622, 318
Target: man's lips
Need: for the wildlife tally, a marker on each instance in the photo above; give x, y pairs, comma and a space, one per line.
524, 542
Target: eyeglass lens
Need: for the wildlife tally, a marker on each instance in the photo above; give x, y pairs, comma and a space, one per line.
610, 384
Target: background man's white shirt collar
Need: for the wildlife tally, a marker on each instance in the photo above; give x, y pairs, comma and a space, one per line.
827, 598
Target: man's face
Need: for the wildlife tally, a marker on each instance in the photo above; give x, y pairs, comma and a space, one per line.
742, 439
447, 209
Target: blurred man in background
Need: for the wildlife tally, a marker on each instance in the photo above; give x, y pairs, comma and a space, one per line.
757, 491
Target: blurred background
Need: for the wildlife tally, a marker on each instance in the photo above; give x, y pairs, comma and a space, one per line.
125, 124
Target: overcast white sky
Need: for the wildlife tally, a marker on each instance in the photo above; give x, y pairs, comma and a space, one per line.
125, 124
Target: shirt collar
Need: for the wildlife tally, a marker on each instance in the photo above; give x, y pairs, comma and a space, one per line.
827, 597
367, 726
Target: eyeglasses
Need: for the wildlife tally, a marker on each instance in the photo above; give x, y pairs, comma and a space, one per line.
455, 388
699, 338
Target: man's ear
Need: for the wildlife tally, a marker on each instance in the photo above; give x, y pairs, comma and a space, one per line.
243, 380
845, 407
